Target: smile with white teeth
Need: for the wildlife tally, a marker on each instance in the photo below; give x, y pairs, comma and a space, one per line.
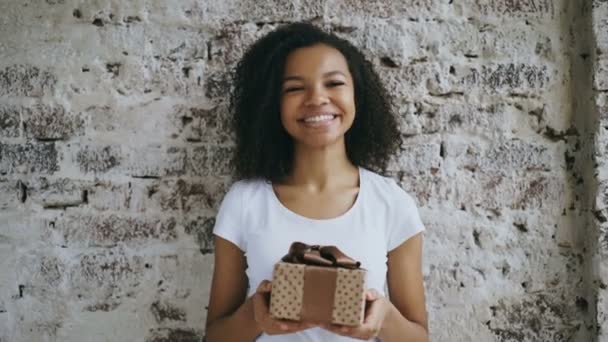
319, 118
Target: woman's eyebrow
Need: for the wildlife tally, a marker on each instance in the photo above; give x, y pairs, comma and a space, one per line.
332, 73
300, 78
293, 78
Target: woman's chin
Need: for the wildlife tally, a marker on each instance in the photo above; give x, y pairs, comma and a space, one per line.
320, 144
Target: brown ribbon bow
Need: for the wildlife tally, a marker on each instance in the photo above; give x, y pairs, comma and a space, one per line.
331, 256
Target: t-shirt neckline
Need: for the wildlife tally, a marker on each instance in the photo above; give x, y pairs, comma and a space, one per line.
294, 215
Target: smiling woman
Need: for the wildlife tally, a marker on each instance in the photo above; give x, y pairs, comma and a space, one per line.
318, 104
314, 128
264, 148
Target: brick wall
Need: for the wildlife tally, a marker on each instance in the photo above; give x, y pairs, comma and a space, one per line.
114, 148
599, 238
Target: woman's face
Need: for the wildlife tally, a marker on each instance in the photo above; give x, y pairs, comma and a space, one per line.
318, 97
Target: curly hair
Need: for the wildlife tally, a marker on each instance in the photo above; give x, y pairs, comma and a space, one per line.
263, 147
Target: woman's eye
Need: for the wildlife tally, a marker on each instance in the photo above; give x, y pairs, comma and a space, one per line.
335, 83
292, 89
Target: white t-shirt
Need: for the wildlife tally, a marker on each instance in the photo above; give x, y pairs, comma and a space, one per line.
382, 217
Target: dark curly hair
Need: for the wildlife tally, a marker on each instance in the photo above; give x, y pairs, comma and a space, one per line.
263, 148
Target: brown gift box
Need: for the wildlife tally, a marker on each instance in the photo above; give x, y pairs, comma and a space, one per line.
318, 284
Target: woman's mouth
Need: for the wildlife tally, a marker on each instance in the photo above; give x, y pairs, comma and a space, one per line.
319, 118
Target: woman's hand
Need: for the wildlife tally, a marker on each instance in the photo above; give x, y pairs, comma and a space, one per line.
268, 324
376, 310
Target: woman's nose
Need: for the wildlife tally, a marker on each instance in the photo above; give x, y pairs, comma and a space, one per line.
317, 97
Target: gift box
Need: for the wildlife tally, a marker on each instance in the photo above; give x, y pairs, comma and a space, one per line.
318, 284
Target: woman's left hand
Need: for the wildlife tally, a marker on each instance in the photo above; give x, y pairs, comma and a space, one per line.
376, 309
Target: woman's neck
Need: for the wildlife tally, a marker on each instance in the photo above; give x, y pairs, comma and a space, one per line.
320, 168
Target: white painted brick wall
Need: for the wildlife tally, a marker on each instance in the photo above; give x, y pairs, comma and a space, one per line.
114, 148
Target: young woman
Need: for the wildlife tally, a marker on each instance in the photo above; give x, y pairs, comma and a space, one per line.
312, 122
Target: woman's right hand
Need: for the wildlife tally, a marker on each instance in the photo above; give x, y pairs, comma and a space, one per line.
268, 324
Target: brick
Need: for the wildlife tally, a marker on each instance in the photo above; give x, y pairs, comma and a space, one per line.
4, 327
518, 8
98, 159
154, 195
510, 77
86, 230
449, 80
493, 190
353, 30
186, 195
418, 158
174, 334
601, 201
178, 44
40, 274
165, 311
108, 270
601, 75
51, 123
202, 229
175, 77
57, 193
159, 11
393, 40
602, 301
107, 305
152, 161
10, 121
14, 193
601, 101
418, 118
28, 158
102, 284
26, 80
540, 316
601, 146
509, 156
462, 117
507, 41
216, 84
147, 123
209, 161
388, 9
19, 228
43, 325
255, 11
111, 196
600, 27
409, 81
203, 125
428, 189
230, 41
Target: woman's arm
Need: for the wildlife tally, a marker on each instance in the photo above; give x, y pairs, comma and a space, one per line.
403, 318
407, 316
230, 316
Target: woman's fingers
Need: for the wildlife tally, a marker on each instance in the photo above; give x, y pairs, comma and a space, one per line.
264, 286
284, 326
269, 324
372, 294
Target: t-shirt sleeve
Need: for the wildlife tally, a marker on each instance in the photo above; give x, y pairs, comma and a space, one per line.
228, 222
405, 220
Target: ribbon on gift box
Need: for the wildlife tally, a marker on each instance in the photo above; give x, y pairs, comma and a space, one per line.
318, 284
301, 253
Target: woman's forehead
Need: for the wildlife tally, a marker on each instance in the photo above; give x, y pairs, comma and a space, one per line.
316, 60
